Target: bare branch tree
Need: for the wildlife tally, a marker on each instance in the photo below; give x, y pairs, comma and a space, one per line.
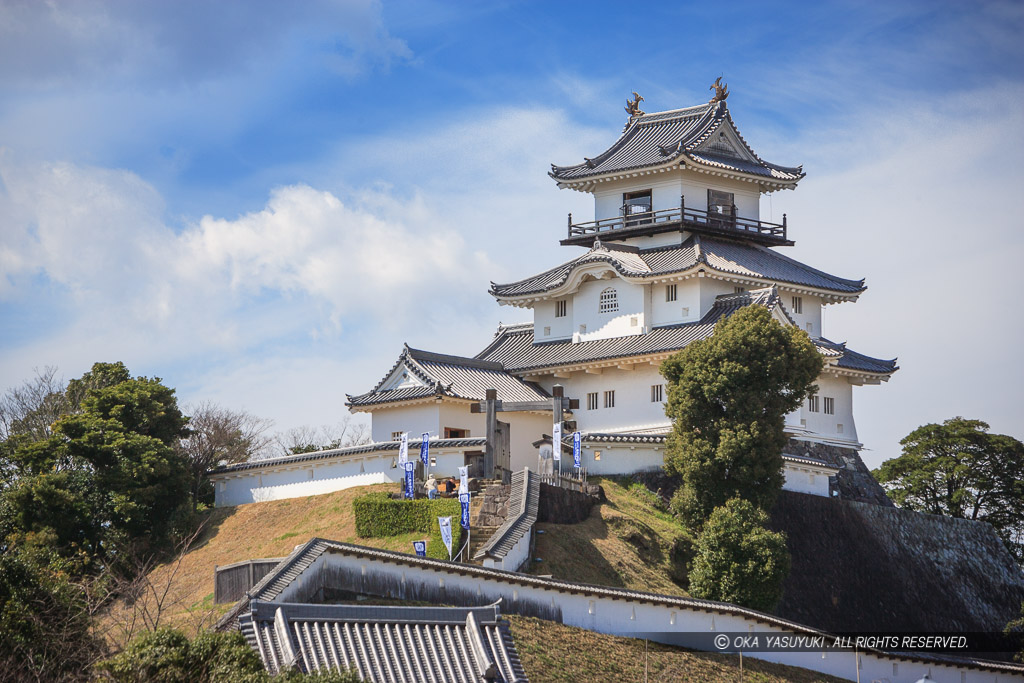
33, 407
306, 439
218, 434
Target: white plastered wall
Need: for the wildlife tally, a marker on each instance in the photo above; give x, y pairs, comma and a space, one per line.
548, 327
810, 319
627, 320
686, 307
633, 405
841, 391
666, 189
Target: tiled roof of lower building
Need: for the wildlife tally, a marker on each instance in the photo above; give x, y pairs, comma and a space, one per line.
516, 349
738, 258
385, 644
435, 374
376, 447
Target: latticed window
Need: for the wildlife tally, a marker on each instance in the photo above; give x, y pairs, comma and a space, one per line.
813, 403
609, 301
830, 406
592, 401
657, 392
798, 304
560, 308
670, 292
609, 399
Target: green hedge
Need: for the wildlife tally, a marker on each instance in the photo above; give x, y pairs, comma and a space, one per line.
378, 515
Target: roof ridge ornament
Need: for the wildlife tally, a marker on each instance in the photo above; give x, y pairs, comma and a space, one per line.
721, 91
633, 106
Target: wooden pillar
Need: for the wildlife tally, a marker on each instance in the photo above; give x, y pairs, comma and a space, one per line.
492, 432
557, 392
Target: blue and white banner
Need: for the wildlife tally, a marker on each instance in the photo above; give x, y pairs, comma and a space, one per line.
464, 480
556, 441
577, 440
446, 533
464, 499
410, 473
425, 449
420, 547
403, 448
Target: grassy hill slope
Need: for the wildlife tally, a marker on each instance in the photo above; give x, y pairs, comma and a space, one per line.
626, 542
554, 652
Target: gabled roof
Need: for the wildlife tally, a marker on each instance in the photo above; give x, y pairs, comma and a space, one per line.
701, 136
698, 252
439, 375
515, 348
385, 644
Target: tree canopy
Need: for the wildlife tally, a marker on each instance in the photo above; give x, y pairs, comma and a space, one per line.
959, 469
728, 396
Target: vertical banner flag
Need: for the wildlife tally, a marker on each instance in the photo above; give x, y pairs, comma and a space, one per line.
446, 533
577, 438
464, 499
420, 547
556, 441
464, 480
410, 471
403, 448
425, 449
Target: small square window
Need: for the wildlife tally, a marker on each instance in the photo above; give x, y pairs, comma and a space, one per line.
798, 304
813, 403
592, 401
609, 399
396, 436
597, 455
634, 321
657, 392
547, 331
583, 329
433, 461
686, 311
830, 406
560, 308
738, 290
810, 328
839, 428
671, 291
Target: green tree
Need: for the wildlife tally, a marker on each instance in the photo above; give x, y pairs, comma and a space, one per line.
728, 396
168, 656
109, 473
737, 560
959, 469
45, 621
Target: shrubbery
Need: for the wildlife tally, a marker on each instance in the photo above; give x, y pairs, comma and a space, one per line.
737, 560
378, 515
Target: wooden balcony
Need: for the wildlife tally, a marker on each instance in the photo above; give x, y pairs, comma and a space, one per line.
634, 223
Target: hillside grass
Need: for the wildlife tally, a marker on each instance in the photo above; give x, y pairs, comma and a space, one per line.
626, 542
555, 652
181, 591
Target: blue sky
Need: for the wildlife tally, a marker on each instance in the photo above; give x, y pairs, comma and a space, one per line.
260, 202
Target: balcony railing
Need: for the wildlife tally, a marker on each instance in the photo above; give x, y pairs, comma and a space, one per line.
645, 221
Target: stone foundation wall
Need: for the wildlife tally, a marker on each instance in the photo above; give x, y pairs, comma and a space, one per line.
854, 481
561, 505
494, 508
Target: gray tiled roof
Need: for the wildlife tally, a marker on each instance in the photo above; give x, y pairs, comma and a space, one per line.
376, 447
675, 136
306, 554
725, 256
803, 459
515, 348
454, 376
385, 644
523, 504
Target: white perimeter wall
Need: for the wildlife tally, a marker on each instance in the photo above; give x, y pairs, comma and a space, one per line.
314, 477
631, 617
